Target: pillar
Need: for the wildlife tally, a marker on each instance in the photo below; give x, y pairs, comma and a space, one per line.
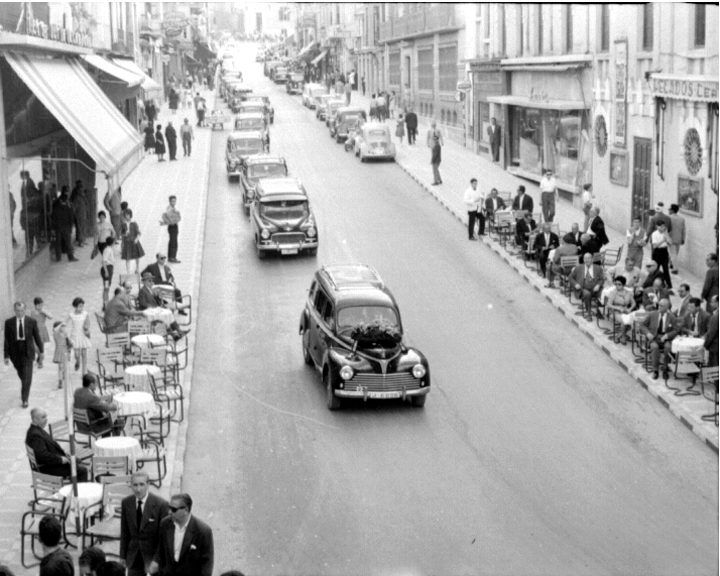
7, 272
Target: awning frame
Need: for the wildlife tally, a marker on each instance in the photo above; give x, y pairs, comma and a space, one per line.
525, 102
320, 57
126, 76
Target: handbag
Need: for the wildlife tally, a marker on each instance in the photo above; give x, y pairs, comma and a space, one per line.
95, 252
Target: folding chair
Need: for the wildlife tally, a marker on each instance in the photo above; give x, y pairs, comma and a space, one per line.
709, 377
122, 340
124, 479
31, 458
83, 427
138, 326
529, 254
46, 503
504, 227
101, 323
685, 364
60, 432
102, 520
611, 257
168, 394
111, 365
567, 264
152, 452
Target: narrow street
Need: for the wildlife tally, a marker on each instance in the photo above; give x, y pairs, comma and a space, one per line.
535, 453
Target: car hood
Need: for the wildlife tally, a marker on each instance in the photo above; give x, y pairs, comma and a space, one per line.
288, 224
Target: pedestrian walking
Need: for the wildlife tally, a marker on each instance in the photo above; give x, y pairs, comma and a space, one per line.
79, 201
435, 143
373, 107
677, 235
187, 136
63, 347
411, 121
362, 83
400, 126
381, 107
636, 241
103, 231
171, 219
78, 323
113, 204
495, 137
473, 200
171, 138
131, 248
201, 108
348, 93
22, 342
159, 144
63, 219
107, 265
149, 137
41, 316
587, 203
548, 195
173, 100
150, 112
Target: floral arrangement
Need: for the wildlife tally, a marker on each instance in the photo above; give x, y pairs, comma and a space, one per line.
377, 331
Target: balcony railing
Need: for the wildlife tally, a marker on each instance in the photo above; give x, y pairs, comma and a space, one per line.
426, 21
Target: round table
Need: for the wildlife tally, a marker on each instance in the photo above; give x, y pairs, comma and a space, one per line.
136, 377
89, 493
134, 403
145, 340
688, 344
159, 315
119, 446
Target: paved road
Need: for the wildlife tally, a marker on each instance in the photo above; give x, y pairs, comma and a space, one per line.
534, 454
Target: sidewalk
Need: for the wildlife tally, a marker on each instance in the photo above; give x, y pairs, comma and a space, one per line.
146, 190
458, 166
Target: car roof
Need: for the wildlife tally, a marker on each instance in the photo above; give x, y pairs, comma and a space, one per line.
351, 109
245, 134
285, 185
264, 159
337, 101
375, 126
356, 284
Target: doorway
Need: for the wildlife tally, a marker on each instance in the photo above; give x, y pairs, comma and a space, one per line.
641, 186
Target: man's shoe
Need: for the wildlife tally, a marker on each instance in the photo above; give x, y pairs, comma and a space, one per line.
174, 261
674, 272
182, 313
435, 184
655, 375
472, 238
24, 404
73, 260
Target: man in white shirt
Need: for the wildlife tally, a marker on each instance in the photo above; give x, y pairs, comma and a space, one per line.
548, 195
473, 200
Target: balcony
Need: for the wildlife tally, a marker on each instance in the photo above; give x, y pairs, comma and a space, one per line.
427, 20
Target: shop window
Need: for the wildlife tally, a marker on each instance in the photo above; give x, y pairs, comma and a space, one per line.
699, 25
394, 69
425, 69
647, 23
455, 118
448, 56
605, 28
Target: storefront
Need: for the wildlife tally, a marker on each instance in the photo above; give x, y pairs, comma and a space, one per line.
487, 81
547, 115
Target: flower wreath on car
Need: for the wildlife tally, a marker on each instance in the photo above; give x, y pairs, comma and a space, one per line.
376, 332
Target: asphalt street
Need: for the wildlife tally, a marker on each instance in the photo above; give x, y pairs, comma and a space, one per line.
535, 453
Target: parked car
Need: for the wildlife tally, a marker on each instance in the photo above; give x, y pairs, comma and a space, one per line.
353, 129
373, 140
344, 118
280, 74
269, 110
331, 109
321, 105
352, 334
310, 92
294, 84
254, 121
238, 90
239, 146
281, 218
256, 167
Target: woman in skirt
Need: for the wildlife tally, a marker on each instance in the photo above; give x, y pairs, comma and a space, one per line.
149, 138
160, 143
106, 268
400, 130
131, 248
78, 322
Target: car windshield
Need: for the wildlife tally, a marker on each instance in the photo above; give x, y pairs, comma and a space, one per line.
350, 317
267, 170
376, 135
249, 124
284, 209
350, 117
246, 145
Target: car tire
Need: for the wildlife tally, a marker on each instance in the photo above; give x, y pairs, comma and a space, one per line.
338, 139
306, 353
418, 401
312, 252
261, 254
362, 158
332, 402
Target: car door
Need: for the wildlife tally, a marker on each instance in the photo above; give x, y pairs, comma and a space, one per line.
317, 336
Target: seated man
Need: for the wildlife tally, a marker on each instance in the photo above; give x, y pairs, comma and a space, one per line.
49, 456
99, 408
162, 274
647, 278
524, 229
567, 248
148, 298
620, 299
661, 328
544, 242
587, 281
493, 204
631, 273
589, 245
696, 322
576, 234
117, 312
651, 296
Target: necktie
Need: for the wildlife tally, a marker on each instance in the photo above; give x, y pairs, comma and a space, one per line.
695, 322
21, 330
588, 273
138, 515
662, 325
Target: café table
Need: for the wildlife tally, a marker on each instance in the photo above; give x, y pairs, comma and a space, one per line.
119, 446
137, 376
145, 340
159, 315
134, 403
89, 493
688, 344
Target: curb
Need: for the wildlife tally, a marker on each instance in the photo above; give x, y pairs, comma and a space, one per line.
636, 372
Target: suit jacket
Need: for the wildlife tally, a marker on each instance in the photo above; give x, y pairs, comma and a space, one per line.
648, 296
143, 539
411, 120
577, 238
97, 408
154, 269
494, 136
598, 228
489, 205
527, 203
148, 299
711, 338
703, 323
677, 230
540, 241
13, 348
577, 276
196, 554
710, 288
682, 310
47, 451
524, 228
651, 325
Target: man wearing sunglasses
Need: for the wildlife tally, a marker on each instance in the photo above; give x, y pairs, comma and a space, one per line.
186, 543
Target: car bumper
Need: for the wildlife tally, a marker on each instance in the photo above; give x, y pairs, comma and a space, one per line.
311, 105
381, 395
234, 171
380, 155
287, 248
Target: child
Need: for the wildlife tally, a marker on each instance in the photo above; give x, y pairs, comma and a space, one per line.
63, 346
79, 334
40, 315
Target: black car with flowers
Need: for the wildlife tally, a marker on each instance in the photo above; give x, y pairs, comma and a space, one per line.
352, 334
281, 218
256, 167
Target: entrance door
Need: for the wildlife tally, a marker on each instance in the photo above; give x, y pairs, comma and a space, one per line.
641, 189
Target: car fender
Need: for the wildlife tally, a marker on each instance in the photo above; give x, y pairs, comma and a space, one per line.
304, 321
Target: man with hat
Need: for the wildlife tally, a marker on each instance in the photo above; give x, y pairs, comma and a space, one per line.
147, 298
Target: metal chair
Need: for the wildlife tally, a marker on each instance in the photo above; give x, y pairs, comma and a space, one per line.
46, 503
567, 264
125, 479
111, 364
611, 257
101, 521
138, 326
686, 364
101, 323
31, 458
84, 428
504, 227
110, 466
152, 452
709, 377
60, 432
171, 394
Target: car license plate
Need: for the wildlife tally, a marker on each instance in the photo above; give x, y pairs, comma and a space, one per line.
383, 395
289, 251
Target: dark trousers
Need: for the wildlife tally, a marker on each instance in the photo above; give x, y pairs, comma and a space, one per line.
412, 133
24, 368
138, 567
542, 259
472, 218
64, 471
436, 173
173, 242
495, 152
187, 145
172, 148
63, 237
662, 257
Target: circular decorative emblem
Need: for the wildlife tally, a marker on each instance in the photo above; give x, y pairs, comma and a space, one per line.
601, 135
693, 151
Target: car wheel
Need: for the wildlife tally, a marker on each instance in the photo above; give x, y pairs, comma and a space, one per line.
362, 158
312, 252
338, 139
332, 401
261, 254
418, 401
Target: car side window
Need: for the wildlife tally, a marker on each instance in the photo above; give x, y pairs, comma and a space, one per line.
320, 301
312, 291
328, 315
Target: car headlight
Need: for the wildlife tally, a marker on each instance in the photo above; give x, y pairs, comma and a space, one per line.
250, 193
265, 234
419, 371
346, 373
311, 231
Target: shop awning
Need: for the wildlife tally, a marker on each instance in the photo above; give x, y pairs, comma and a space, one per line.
545, 104
72, 96
306, 49
130, 78
190, 61
152, 88
203, 52
320, 57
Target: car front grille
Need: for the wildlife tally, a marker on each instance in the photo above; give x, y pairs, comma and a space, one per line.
288, 238
384, 383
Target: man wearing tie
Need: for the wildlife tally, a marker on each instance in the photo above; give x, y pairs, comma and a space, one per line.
435, 143
587, 280
140, 526
493, 204
21, 338
685, 296
495, 137
695, 323
576, 234
522, 201
661, 327
543, 244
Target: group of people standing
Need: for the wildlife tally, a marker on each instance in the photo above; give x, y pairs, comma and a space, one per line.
155, 141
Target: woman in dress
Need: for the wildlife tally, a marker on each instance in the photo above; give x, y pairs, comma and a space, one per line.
41, 316
149, 137
78, 322
131, 248
160, 143
621, 299
400, 129
63, 347
107, 264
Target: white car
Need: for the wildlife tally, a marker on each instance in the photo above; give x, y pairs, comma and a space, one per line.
310, 92
373, 140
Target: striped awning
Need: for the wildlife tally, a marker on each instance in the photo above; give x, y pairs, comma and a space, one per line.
71, 95
319, 58
152, 88
104, 65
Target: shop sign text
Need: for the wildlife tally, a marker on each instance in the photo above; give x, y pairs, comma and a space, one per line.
38, 28
696, 90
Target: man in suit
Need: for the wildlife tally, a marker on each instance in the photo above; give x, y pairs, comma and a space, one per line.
147, 298
661, 327
186, 543
711, 338
435, 142
567, 248
99, 408
141, 515
652, 296
522, 201
576, 234
596, 227
544, 242
493, 203
495, 138
587, 281
411, 122
22, 338
162, 274
710, 288
523, 229
657, 217
696, 322
118, 312
49, 456
685, 296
